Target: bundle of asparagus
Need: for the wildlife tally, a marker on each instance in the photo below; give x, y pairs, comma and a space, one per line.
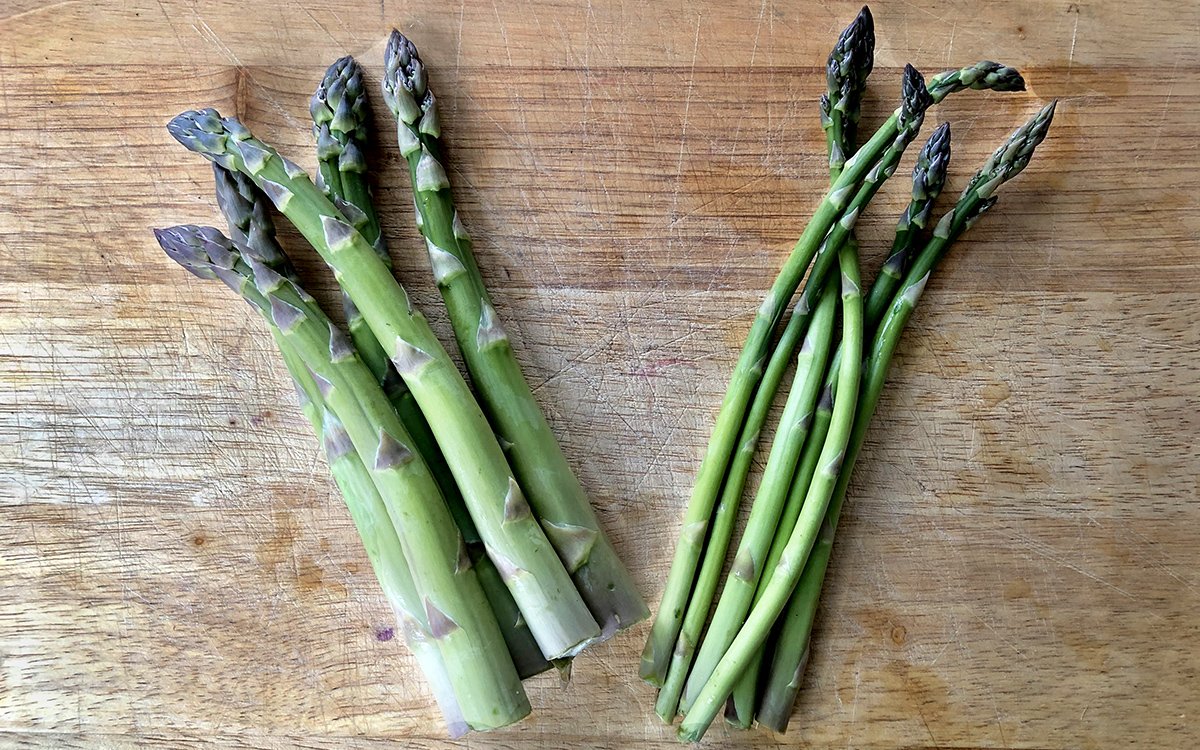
489, 587
764, 615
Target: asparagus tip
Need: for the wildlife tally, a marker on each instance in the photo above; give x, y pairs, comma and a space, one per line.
915, 97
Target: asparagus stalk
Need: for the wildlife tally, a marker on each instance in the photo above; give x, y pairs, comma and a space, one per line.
784, 678
557, 498
751, 636
934, 156
760, 529
749, 368
847, 69
247, 212
810, 364
379, 539
460, 622
340, 115
556, 614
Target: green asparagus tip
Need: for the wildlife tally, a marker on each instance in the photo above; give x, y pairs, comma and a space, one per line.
339, 105
929, 173
405, 87
1013, 155
983, 75
248, 214
852, 58
204, 251
914, 99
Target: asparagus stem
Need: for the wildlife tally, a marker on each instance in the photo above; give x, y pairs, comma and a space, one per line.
783, 681
749, 368
359, 418
762, 616
247, 211
928, 178
533, 573
379, 539
557, 498
764, 514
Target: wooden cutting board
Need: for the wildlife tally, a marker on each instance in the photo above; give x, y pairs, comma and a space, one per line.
1018, 562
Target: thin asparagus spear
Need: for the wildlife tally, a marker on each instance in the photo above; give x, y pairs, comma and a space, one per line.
932, 160
749, 368
810, 364
460, 622
557, 498
846, 72
556, 614
739, 589
928, 178
787, 667
247, 211
752, 635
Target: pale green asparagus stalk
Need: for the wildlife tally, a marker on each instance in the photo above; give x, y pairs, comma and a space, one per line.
247, 212
557, 616
379, 539
783, 681
460, 622
750, 366
753, 633
557, 498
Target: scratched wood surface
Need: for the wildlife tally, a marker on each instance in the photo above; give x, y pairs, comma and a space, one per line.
1017, 566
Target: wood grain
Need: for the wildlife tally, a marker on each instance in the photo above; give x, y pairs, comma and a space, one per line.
1018, 565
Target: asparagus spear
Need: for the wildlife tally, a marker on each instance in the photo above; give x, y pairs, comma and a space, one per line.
750, 638
933, 159
557, 498
382, 546
787, 668
847, 69
247, 211
760, 529
749, 368
460, 622
556, 614
341, 118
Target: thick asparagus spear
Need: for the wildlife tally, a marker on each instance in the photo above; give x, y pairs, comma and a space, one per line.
557, 498
341, 118
556, 614
752, 635
783, 681
484, 679
247, 211
379, 539
749, 368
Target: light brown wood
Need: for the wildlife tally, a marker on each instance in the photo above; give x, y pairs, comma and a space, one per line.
1018, 563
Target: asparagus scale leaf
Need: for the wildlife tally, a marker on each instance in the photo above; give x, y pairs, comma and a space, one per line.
556, 614
553, 491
